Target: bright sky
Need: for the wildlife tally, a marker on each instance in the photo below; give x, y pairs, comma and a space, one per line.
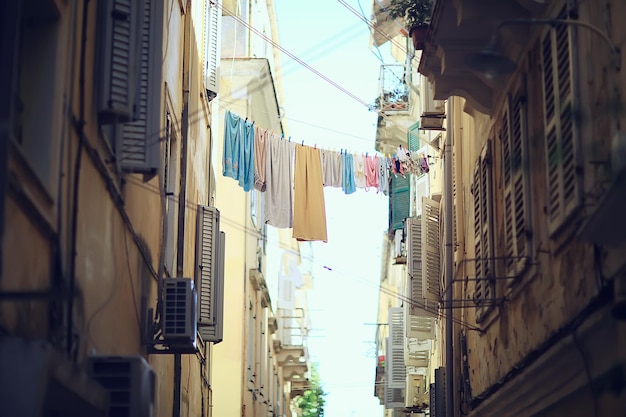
329, 37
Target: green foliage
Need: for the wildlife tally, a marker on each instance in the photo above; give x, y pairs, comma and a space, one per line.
414, 12
312, 401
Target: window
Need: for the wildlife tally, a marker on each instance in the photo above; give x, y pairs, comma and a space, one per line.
35, 83
564, 172
482, 189
516, 178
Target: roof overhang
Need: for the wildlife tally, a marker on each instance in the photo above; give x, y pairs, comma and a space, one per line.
460, 28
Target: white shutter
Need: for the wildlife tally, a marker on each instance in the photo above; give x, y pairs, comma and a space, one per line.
118, 26
140, 147
212, 29
419, 305
421, 328
287, 293
431, 258
395, 369
210, 247
417, 354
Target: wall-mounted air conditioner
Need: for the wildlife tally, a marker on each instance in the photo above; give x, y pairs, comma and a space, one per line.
130, 382
37, 380
433, 112
179, 312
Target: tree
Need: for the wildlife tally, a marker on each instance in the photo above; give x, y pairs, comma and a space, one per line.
312, 401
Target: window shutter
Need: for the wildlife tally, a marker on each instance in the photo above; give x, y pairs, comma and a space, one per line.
400, 200
140, 142
119, 23
419, 305
564, 176
210, 248
395, 368
515, 173
484, 291
431, 267
287, 293
210, 69
455, 240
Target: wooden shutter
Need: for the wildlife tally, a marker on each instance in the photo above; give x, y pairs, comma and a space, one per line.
400, 201
454, 201
484, 291
395, 368
209, 275
118, 26
431, 258
419, 305
140, 142
564, 171
515, 170
212, 30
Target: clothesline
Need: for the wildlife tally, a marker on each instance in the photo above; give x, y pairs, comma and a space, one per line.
292, 175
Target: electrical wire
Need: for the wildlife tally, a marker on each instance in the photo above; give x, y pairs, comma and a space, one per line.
193, 207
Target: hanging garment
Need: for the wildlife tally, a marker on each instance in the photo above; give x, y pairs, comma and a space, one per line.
331, 168
384, 165
359, 171
246, 167
309, 210
371, 171
260, 150
278, 182
232, 145
347, 183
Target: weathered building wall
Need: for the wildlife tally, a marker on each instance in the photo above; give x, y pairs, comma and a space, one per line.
118, 215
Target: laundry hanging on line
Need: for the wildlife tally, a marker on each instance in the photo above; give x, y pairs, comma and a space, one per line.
260, 159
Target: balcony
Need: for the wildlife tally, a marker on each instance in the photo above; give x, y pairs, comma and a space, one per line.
460, 28
291, 344
394, 104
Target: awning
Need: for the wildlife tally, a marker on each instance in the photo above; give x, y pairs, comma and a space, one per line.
384, 28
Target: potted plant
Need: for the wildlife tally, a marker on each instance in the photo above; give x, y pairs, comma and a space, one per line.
416, 15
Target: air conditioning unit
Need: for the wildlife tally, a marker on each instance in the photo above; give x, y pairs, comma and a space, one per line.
130, 382
433, 110
37, 379
179, 312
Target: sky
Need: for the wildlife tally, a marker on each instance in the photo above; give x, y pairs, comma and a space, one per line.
329, 37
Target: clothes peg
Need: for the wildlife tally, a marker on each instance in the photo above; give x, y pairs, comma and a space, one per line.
302, 143
289, 138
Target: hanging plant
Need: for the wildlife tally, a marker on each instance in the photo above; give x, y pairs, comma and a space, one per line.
413, 12
416, 15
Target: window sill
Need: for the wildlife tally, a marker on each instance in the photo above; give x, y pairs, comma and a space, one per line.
25, 186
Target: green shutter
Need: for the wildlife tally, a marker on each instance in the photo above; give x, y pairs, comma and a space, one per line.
400, 200
413, 136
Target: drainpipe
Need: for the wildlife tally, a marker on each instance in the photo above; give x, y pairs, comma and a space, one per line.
448, 253
182, 197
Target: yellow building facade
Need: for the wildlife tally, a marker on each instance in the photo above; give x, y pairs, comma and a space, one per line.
107, 131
